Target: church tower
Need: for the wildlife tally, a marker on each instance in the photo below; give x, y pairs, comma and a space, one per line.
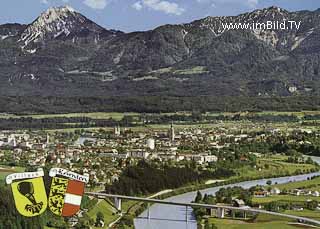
117, 130
171, 133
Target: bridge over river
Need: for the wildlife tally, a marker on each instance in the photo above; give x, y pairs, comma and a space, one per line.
187, 205
176, 212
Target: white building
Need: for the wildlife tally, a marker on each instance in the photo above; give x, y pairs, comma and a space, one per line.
210, 158
275, 191
139, 154
151, 143
201, 159
117, 131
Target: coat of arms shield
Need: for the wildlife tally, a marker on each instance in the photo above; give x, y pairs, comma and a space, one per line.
66, 191
28, 192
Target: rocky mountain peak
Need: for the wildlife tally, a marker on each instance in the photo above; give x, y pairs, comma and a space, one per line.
58, 22
217, 24
275, 8
55, 13
271, 13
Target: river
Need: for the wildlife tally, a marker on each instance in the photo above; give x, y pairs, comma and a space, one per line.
173, 217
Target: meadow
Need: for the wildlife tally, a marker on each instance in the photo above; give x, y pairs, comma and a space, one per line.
261, 222
272, 166
286, 198
5, 171
106, 209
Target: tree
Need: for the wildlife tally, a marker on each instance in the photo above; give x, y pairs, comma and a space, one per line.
273, 206
309, 161
312, 205
207, 225
198, 198
209, 199
82, 225
99, 219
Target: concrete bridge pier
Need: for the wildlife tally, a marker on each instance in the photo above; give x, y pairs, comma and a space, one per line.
233, 213
148, 213
186, 214
220, 213
117, 202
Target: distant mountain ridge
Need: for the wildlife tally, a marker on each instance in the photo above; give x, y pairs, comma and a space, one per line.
63, 54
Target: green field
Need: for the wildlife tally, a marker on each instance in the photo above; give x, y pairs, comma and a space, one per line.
261, 222
119, 115
5, 171
284, 198
313, 185
276, 167
295, 199
244, 125
305, 213
105, 209
109, 212
96, 115
237, 224
130, 205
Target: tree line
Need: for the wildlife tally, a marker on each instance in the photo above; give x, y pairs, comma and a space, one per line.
145, 179
155, 104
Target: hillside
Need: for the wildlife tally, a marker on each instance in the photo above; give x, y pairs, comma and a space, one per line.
64, 62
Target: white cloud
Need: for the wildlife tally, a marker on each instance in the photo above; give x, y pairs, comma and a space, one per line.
159, 5
96, 4
137, 6
252, 3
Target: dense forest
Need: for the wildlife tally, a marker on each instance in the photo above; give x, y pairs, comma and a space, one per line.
154, 104
55, 123
146, 179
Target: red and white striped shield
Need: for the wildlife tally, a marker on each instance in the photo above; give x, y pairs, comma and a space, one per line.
66, 192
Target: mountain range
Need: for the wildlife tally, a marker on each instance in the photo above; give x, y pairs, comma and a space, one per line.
64, 62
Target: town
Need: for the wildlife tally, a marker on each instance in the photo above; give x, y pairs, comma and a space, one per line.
87, 151
214, 153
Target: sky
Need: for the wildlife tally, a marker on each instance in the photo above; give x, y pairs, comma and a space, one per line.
139, 15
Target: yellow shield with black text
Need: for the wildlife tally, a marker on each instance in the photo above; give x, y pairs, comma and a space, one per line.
30, 196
